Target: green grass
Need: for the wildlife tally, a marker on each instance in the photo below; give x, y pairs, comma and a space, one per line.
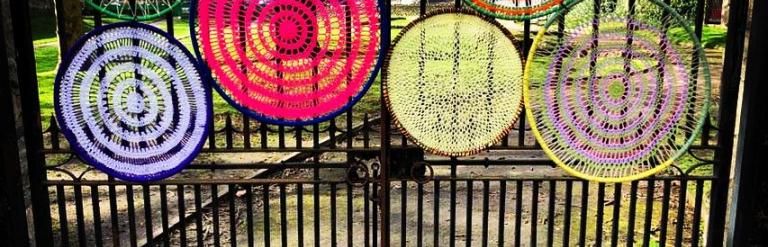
711, 37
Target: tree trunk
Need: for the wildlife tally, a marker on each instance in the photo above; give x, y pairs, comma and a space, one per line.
70, 23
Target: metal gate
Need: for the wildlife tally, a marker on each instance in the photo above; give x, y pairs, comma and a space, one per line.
257, 184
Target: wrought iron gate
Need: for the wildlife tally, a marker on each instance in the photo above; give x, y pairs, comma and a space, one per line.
324, 185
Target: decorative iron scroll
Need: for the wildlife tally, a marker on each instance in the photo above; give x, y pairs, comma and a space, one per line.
517, 9
452, 81
613, 98
143, 10
131, 102
290, 62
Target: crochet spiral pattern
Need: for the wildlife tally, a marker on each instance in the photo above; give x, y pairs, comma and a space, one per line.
517, 9
614, 99
143, 10
452, 81
289, 62
131, 102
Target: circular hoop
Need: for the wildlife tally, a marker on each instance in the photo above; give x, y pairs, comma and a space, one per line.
130, 100
145, 9
452, 81
517, 9
619, 104
289, 62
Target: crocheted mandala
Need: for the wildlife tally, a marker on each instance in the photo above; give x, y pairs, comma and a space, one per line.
143, 9
517, 9
614, 99
289, 62
131, 102
452, 81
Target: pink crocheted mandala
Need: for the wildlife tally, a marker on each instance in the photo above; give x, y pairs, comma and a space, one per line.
290, 61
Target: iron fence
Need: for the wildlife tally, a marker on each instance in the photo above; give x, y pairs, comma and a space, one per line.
324, 184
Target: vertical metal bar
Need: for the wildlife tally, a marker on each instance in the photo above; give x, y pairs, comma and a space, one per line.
199, 218
468, 225
263, 135
164, 212
518, 211
182, 213
350, 134
215, 214
386, 12
696, 228
267, 225
316, 203
616, 214
486, 193
246, 132
249, 214
30, 114
567, 213
366, 132
281, 136
54, 130
80, 217
366, 214
632, 208
419, 214
350, 209
583, 214
729, 96
96, 215
452, 231
681, 210
502, 209
403, 210
375, 214
333, 215
283, 217
131, 215
436, 213
664, 213
300, 214
649, 194
534, 211
332, 133
299, 136
232, 215
114, 218
63, 221
229, 131
600, 214
147, 205
551, 213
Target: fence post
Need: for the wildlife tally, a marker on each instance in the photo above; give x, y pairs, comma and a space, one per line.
22, 80
13, 223
729, 93
749, 192
386, 25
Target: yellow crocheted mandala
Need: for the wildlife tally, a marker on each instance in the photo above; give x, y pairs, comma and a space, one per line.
453, 82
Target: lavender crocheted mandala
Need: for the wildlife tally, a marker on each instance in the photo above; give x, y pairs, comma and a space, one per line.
131, 102
614, 98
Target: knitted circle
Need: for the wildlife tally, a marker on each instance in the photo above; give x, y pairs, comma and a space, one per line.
131, 102
289, 62
517, 9
452, 81
614, 99
143, 10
